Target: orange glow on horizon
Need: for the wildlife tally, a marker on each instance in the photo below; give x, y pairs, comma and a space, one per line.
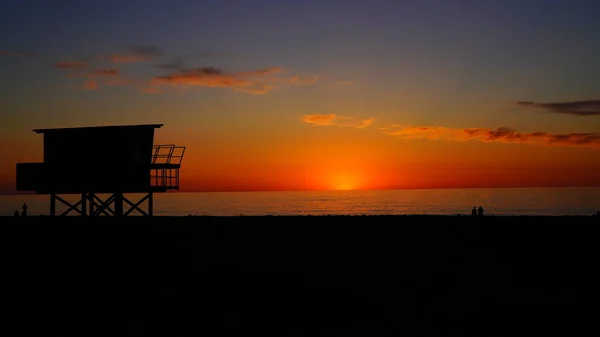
344, 183
349, 159
337, 158
415, 175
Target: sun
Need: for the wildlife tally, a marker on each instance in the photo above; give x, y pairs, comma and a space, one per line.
344, 187
344, 183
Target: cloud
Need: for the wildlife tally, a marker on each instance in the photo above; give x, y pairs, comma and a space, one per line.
334, 120
105, 77
179, 64
110, 80
260, 81
304, 80
137, 54
365, 122
259, 89
577, 108
207, 76
92, 79
104, 72
503, 134
179, 76
319, 120
67, 65
347, 82
124, 58
90, 84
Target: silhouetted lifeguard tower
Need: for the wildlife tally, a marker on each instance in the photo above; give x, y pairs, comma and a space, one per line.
112, 160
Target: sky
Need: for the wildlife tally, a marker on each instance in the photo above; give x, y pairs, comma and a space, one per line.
317, 95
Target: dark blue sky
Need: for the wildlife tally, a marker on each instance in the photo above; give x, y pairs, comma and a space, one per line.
437, 61
314, 31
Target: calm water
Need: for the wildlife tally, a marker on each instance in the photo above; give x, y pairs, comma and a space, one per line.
503, 201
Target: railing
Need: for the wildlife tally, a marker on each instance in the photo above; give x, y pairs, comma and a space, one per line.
165, 178
167, 154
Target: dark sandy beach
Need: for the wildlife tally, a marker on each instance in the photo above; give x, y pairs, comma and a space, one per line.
296, 276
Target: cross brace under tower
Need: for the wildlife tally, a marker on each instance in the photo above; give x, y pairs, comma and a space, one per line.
91, 205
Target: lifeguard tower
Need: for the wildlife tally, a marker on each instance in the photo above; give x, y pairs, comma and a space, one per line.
110, 160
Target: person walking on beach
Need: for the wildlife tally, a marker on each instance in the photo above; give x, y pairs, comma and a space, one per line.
474, 211
480, 211
24, 212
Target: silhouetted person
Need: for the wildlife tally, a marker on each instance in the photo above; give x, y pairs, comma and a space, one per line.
24, 212
480, 211
16, 213
474, 211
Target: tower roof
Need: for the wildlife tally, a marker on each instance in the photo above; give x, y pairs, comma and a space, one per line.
155, 126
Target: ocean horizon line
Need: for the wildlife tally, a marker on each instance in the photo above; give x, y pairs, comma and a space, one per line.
334, 190
399, 215
494, 201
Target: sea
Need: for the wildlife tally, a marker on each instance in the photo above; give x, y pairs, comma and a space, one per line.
495, 201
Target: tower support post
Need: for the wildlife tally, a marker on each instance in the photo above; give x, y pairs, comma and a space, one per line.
90, 200
150, 204
52, 204
118, 204
84, 202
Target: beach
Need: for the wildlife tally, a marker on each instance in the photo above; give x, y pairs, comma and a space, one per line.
296, 276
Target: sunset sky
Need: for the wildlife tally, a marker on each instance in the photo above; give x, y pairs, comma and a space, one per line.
290, 94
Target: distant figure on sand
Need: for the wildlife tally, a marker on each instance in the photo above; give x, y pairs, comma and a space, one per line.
480, 211
16, 213
474, 211
24, 212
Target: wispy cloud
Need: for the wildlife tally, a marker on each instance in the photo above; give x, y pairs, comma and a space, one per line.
103, 77
334, 120
92, 79
259, 81
179, 76
304, 80
365, 122
259, 89
124, 58
137, 54
104, 72
67, 65
212, 77
503, 134
180, 63
319, 120
577, 108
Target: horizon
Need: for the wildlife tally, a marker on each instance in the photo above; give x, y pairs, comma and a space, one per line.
334, 190
306, 96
